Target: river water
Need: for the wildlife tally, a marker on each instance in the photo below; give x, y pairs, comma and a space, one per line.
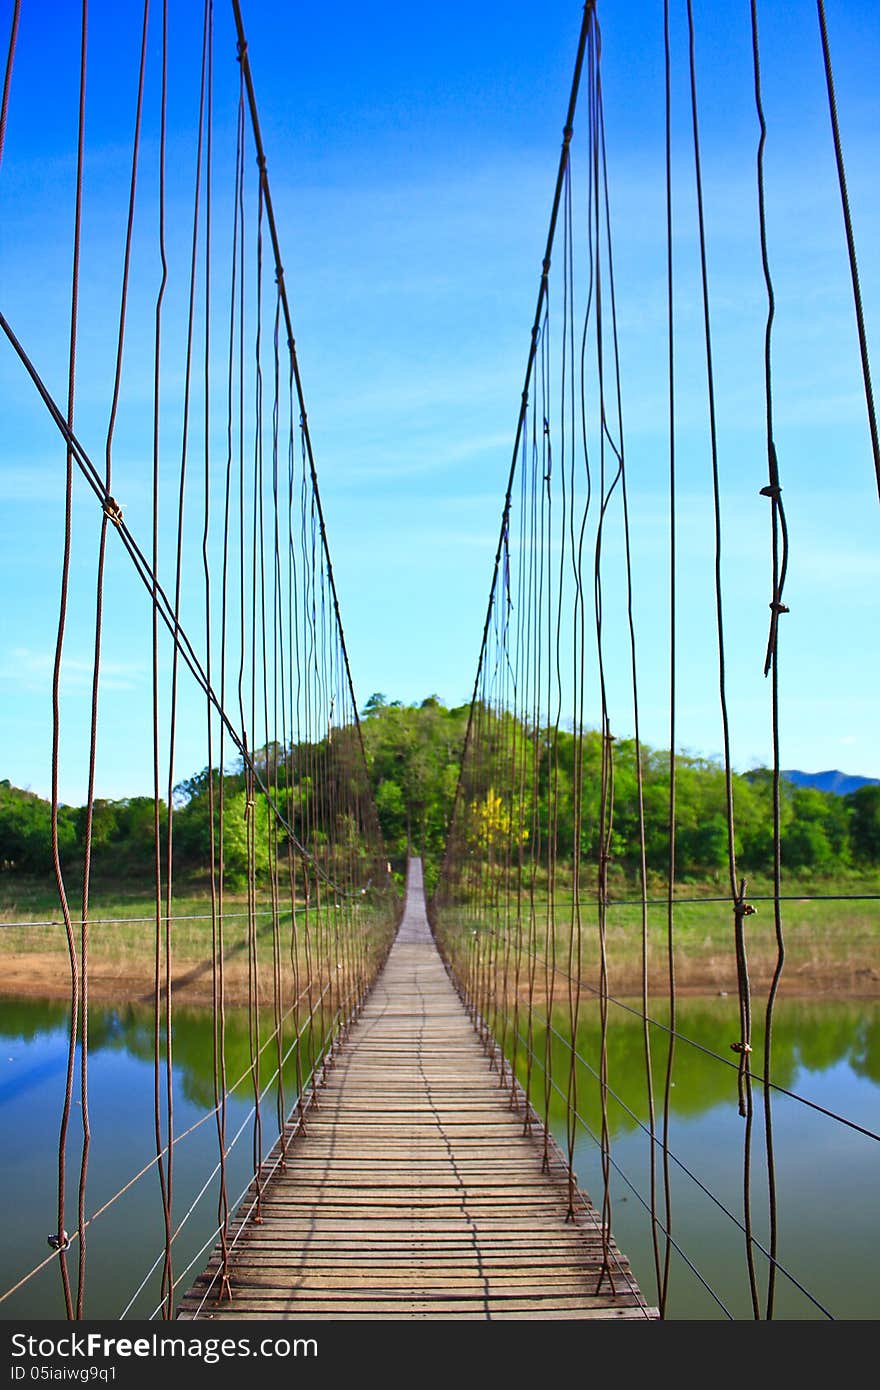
826, 1172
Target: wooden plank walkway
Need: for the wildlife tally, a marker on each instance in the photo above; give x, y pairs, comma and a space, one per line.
413, 1192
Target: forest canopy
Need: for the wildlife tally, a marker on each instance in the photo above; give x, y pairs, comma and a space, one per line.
414, 757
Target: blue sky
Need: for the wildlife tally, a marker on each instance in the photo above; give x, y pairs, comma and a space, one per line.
412, 153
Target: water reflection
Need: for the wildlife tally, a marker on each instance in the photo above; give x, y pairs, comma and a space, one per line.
829, 1225
123, 1243
826, 1172
807, 1037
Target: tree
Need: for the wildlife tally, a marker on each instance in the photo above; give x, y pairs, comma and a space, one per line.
25, 830
864, 809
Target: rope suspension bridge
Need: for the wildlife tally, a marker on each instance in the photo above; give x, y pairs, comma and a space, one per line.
419, 1094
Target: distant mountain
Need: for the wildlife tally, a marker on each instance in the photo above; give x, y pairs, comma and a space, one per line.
841, 783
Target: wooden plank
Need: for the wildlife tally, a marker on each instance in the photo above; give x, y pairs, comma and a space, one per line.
417, 1186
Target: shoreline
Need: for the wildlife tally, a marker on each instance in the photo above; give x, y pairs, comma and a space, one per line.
45, 975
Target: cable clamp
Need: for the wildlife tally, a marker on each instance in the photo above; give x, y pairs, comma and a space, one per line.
740, 1047
113, 510
776, 607
61, 1242
772, 490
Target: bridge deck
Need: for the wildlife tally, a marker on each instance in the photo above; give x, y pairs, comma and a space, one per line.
413, 1192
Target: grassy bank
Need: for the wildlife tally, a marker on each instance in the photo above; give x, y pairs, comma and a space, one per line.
831, 933
34, 957
832, 945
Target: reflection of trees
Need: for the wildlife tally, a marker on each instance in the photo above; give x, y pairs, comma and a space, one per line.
192, 1048
26, 1018
129, 1029
835, 1038
865, 1053
805, 1034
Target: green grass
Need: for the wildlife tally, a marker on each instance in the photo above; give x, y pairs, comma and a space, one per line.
832, 938
122, 920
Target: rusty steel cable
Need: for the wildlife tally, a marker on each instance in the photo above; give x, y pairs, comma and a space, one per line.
177, 917
164, 997
779, 566
663, 1293
600, 156
60, 1235
850, 239
221, 1088
95, 687
84, 925
277, 664
7, 76
216, 807
247, 687
740, 907
154, 616
606, 490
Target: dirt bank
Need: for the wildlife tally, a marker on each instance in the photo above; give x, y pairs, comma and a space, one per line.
45, 975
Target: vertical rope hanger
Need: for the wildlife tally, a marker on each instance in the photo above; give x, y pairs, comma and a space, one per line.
600, 161
157, 789
164, 995
741, 908
278, 755
610, 474
79, 972
256, 500
216, 804
779, 565
670, 910
292, 741
60, 1234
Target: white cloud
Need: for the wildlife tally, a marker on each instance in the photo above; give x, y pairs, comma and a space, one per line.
32, 671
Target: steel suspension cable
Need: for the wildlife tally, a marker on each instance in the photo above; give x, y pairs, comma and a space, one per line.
7, 76
850, 239
779, 565
741, 908
60, 1234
